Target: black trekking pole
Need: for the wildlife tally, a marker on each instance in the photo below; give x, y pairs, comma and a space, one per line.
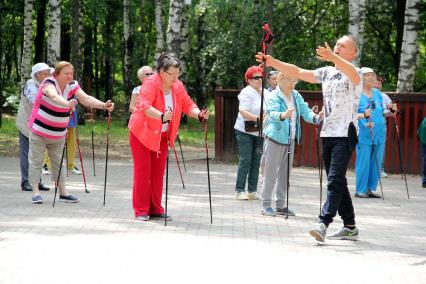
401, 168
106, 155
288, 163
205, 123
80, 155
167, 174
93, 142
181, 152
59, 174
267, 39
373, 154
319, 158
60, 166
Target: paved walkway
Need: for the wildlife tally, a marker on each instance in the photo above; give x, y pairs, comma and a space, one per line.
90, 243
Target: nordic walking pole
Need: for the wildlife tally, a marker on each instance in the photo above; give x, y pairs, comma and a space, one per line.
60, 167
205, 123
373, 154
181, 152
80, 155
267, 39
401, 168
288, 165
59, 175
93, 143
167, 184
167, 172
319, 158
106, 155
177, 161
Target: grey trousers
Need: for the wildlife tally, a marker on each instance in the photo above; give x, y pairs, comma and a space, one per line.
24, 145
38, 146
275, 172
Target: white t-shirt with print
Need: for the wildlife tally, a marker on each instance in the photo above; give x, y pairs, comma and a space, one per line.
340, 98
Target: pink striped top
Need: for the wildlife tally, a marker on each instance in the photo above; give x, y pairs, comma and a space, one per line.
48, 119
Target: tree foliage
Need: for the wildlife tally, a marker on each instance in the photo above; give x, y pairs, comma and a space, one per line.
223, 37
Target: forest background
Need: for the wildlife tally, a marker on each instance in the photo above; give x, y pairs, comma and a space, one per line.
108, 41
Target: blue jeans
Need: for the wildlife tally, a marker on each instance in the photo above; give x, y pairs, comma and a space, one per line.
250, 148
424, 163
336, 155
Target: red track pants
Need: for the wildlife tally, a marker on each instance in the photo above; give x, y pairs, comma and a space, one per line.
148, 172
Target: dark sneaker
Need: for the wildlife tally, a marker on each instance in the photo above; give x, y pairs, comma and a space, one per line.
372, 194
26, 187
345, 234
37, 199
283, 211
269, 212
160, 216
142, 218
68, 198
361, 195
319, 232
43, 187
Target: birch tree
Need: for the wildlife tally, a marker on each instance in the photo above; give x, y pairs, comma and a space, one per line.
127, 33
174, 27
183, 45
54, 33
28, 41
77, 40
409, 50
357, 10
159, 28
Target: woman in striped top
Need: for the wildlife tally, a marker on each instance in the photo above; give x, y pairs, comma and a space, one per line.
56, 98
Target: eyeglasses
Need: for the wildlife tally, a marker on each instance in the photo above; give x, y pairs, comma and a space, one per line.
173, 74
257, 78
148, 74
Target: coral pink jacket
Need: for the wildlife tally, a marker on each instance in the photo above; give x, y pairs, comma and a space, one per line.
148, 130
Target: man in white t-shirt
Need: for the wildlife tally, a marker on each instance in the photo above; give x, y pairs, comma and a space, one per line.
341, 86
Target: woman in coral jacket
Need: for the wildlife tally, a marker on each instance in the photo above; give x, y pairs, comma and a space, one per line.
153, 125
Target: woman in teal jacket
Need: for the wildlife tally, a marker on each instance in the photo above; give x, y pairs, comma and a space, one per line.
282, 128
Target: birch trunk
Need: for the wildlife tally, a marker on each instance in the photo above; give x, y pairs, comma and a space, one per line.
409, 50
174, 27
159, 27
357, 10
127, 31
183, 45
76, 40
28, 42
54, 33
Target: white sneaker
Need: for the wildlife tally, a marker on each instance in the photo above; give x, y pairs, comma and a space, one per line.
241, 195
318, 232
383, 174
75, 171
253, 196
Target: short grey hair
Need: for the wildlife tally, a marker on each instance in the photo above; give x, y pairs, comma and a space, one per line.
142, 69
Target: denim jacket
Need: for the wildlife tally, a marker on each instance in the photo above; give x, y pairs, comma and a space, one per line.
277, 129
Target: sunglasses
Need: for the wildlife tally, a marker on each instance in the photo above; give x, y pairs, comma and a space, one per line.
257, 78
148, 74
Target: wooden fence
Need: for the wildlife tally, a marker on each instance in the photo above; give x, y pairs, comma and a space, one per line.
412, 108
